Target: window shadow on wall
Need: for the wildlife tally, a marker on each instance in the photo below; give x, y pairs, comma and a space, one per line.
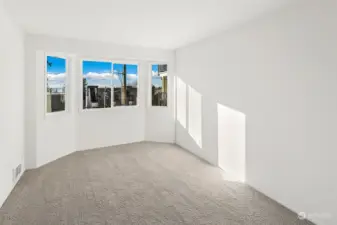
195, 115
181, 102
189, 111
230, 131
232, 142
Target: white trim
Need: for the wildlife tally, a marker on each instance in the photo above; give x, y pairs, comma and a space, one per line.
150, 85
113, 62
81, 109
66, 91
132, 61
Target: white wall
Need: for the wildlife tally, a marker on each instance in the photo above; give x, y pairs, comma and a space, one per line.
61, 134
160, 121
280, 72
12, 102
232, 142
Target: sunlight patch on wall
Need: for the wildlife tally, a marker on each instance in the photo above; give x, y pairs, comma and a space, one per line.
181, 102
232, 142
195, 115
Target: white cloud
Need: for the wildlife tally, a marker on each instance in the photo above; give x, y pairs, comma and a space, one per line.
156, 74
129, 77
132, 83
101, 76
93, 75
105, 77
56, 80
56, 85
52, 76
132, 76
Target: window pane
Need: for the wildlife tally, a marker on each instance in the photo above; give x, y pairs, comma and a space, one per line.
56, 84
125, 84
159, 85
97, 81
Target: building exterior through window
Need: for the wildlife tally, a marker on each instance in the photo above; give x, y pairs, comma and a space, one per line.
159, 85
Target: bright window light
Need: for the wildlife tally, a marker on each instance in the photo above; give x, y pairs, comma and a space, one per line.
195, 115
97, 84
232, 142
125, 84
107, 84
159, 85
56, 75
181, 102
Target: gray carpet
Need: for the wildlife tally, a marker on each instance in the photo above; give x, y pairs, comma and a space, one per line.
143, 183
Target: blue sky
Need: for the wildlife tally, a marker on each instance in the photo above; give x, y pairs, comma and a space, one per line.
58, 65
156, 80
56, 69
97, 67
99, 73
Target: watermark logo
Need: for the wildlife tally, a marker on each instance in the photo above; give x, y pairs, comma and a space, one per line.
313, 216
302, 216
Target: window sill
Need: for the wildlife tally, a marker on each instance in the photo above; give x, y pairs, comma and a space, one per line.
53, 114
158, 107
108, 109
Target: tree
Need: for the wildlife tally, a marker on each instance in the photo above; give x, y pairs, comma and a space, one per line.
124, 85
122, 78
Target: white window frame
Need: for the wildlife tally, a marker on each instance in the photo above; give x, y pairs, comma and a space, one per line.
67, 78
150, 85
81, 84
113, 62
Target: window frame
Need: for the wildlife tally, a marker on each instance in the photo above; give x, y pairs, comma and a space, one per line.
67, 78
113, 62
81, 84
150, 85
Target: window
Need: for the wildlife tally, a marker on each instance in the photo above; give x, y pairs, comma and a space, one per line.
56, 70
97, 84
159, 85
106, 84
125, 84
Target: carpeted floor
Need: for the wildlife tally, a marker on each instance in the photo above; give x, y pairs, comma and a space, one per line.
143, 183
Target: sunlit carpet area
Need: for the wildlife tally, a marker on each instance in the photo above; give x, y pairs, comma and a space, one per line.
142, 183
